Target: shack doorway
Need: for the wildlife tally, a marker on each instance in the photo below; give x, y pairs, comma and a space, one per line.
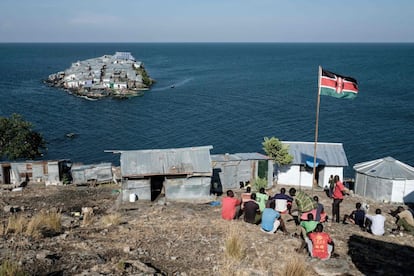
6, 174
157, 184
216, 187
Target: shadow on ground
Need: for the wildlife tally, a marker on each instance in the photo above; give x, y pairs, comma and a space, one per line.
375, 257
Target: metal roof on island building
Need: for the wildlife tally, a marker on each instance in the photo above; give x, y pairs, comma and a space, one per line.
387, 167
327, 154
238, 157
174, 161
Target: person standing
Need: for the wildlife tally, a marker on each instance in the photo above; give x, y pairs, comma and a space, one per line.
338, 196
331, 183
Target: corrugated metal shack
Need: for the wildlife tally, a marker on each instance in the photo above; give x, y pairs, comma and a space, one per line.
385, 179
232, 171
330, 160
182, 173
92, 174
49, 172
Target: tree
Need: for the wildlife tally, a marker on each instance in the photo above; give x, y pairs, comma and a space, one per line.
277, 151
18, 140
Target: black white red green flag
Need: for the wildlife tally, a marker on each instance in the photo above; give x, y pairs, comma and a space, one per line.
335, 85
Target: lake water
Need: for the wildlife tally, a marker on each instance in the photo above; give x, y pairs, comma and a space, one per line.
228, 95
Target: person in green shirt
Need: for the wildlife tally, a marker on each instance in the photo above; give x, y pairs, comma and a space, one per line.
261, 199
306, 227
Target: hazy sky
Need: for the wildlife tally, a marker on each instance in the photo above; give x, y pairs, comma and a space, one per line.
206, 21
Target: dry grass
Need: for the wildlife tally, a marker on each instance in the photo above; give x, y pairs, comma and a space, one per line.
112, 219
16, 224
295, 267
9, 268
88, 219
87, 216
44, 222
234, 245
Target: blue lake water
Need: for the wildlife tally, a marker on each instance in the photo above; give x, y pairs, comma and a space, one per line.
227, 95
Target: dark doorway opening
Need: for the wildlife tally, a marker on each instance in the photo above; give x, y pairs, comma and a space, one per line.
216, 187
157, 183
6, 174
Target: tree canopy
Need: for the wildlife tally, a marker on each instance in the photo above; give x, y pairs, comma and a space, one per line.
277, 151
18, 140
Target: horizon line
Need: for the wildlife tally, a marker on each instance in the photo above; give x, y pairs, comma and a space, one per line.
202, 42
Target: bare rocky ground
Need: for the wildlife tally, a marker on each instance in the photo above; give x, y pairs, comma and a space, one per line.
176, 238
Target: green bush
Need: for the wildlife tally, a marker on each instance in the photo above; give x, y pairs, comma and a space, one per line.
259, 183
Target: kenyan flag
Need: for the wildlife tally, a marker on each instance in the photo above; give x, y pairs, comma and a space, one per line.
331, 84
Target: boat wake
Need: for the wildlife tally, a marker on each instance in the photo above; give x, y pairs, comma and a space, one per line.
87, 98
173, 85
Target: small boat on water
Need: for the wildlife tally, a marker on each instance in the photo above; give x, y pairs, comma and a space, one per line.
71, 135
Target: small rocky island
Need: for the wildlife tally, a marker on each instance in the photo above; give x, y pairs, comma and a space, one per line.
118, 75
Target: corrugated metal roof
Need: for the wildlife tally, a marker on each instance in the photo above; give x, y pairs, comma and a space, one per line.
179, 161
386, 167
238, 157
328, 154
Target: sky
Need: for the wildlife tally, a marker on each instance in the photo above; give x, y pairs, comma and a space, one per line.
206, 21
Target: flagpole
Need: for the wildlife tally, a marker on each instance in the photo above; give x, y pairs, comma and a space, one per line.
316, 127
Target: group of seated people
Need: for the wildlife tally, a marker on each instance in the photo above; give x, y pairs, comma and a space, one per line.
261, 209
375, 224
308, 213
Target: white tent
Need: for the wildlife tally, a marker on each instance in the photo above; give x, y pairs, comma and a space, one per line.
385, 179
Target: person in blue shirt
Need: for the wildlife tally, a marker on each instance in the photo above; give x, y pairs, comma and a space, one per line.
271, 219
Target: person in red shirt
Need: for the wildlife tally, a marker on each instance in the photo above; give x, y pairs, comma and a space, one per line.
230, 206
338, 196
320, 244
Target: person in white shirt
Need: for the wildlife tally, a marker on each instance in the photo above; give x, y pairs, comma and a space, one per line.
375, 223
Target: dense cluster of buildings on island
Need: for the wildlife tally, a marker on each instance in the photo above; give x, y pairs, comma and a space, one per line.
118, 75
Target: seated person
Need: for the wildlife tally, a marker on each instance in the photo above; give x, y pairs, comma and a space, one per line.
302, 202
320, 244
283, 201
375, 224
323, 216
357, 216
261, 199
252, 210
306, 227
405, 220
230, 206
271, 219
246, 196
